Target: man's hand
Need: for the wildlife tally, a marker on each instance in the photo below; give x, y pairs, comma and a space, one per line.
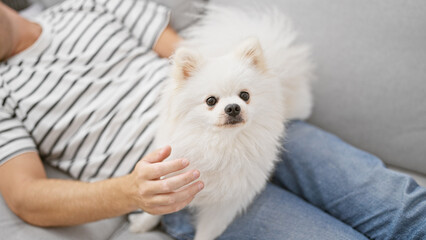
155, 195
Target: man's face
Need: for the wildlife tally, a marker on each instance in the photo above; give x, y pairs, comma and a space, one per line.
5, 33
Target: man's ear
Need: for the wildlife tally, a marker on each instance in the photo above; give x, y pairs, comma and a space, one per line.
185, 62
251, 50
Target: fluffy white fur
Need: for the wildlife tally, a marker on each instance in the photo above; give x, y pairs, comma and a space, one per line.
229, 51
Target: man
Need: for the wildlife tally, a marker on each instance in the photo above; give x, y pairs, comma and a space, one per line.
51, 85
78, 90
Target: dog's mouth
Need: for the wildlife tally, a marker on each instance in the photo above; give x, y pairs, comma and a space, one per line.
232, 121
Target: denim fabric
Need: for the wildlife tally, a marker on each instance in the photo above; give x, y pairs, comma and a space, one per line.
351, 185
324, 188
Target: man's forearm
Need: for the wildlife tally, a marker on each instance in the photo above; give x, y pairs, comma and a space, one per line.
56, 202
167, 43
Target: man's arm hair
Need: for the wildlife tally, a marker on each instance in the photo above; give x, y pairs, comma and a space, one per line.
55, 202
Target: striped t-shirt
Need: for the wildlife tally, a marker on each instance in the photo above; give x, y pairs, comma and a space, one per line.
84, 94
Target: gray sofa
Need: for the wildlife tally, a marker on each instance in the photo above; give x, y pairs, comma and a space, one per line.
370, 90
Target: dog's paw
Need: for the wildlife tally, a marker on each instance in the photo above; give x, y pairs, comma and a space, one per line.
140, 223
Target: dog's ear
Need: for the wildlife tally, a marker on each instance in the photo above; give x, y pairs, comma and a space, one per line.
251, 50
185, 62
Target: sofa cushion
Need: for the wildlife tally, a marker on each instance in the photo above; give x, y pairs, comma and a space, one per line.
420, 178
184, 12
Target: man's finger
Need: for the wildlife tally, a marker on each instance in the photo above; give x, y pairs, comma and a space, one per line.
158, 155
179, 196
157, 170
172, 208
174, 183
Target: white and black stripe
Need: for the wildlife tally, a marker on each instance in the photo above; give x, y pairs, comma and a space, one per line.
84, 95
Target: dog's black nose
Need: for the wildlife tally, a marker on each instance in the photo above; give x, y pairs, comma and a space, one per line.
233, 110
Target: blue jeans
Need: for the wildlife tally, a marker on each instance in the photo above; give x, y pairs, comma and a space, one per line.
324, 188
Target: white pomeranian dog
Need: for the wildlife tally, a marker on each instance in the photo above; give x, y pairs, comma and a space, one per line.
235, 82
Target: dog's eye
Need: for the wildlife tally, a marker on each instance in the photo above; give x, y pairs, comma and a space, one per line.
245, 96
211, 101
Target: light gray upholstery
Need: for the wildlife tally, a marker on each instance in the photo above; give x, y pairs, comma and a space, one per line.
184, 12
